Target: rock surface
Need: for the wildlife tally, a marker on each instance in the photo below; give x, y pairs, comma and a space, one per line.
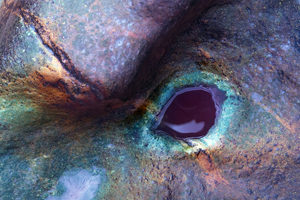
99, 53
247, 48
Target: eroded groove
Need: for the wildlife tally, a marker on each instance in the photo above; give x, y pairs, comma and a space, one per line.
59, 53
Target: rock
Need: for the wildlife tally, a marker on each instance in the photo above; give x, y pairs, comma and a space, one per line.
101, 54
246, 47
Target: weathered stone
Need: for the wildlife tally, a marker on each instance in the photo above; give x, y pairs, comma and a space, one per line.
249, 49
105, 52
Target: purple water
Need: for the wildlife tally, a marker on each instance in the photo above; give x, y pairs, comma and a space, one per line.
191, 112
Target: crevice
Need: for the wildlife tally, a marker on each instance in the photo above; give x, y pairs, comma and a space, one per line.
59, 53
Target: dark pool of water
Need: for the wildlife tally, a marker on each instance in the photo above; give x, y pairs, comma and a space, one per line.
191, 112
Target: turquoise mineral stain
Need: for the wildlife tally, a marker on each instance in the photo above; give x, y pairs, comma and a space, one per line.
228, 113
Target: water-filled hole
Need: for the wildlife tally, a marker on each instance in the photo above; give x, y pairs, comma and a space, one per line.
191, 112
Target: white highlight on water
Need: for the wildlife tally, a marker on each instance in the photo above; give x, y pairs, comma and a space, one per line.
189, 127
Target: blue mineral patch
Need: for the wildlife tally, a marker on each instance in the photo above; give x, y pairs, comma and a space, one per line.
79, 7
16, 178
256, 97
79, 184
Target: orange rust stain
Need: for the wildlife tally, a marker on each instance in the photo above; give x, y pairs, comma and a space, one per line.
51, 88
204, 53
51, 95
292, 127
134, 35
214, 175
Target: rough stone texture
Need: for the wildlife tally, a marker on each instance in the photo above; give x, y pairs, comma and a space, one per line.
249, 49
98, 50
255, 45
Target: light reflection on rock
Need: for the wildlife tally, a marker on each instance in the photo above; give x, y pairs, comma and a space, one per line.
80, 184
